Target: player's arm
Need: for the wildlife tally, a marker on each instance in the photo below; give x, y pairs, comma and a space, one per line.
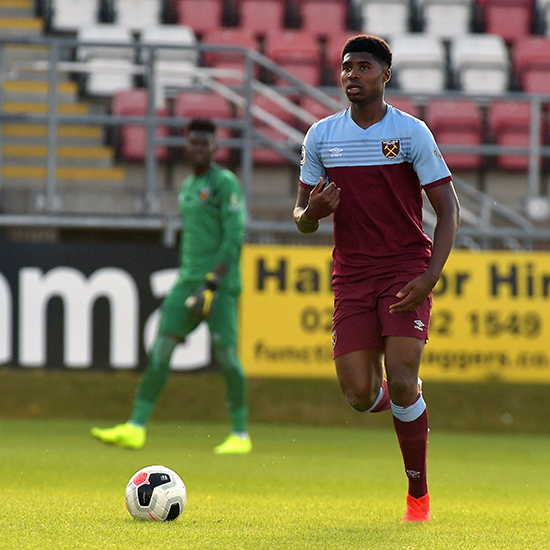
315, 204
447, 208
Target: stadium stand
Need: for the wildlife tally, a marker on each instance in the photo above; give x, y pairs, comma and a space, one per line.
137, 14
543, 16
509, 125
190, 104
511, 19
262, 16
202, 16
173, 66
70, 15
404, 103
531, 61
296, 51
480, 63
235, 36
419, 62
109, 68
384, 17
456, 122
315, 14
446, 18
131, 139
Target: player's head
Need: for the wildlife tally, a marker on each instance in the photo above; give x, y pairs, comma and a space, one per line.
365, 43
201, 143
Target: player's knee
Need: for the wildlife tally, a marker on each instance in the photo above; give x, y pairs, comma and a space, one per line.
403, 389
360, 399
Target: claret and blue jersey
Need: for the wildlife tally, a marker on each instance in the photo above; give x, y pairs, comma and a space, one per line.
381, 172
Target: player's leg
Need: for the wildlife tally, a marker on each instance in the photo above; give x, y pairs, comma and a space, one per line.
175, 324
358, 357
410, 418
223, 326
405, 338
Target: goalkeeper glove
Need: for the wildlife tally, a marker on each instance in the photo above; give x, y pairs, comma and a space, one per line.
201, 301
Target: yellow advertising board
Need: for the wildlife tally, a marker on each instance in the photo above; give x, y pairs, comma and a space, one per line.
490, 317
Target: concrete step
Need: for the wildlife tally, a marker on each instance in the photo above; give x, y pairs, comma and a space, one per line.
67, 156
37, 91
75, 175
38, 107
19, 27
16, 8
37, 134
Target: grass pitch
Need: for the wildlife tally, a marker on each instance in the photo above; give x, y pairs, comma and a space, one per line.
301, 488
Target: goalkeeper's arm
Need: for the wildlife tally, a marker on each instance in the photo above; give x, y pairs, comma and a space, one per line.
201, 301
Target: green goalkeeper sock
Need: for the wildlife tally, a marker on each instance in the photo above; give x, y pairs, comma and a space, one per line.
236, 386
154, 380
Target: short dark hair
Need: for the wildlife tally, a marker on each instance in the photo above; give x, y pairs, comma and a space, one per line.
378, 47
201, 125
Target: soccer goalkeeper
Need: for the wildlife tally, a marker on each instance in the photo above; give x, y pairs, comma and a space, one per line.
209, 284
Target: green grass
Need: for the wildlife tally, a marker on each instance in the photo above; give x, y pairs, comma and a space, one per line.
301, 488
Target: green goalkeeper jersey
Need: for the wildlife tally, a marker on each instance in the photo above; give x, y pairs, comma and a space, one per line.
213, 211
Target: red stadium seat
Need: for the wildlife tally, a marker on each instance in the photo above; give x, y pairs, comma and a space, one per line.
296, 51
404, 104
509, 125
262, 16
209, 105
133, 137
201, 15
456, 122
511, 19
531, 60
235, 36
316, 14
266, 156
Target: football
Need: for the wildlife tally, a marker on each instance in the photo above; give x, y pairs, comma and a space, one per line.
156, 493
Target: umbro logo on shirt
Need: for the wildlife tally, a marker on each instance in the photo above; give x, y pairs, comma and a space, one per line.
336, 152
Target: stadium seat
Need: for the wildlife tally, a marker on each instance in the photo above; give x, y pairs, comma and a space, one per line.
318, 110
456, 122
404, 103
192, 104
137, 14
70, 15
267, 156
419, 62
174, 66
109, 67
446, 18
480, 63
384, 18
225, 59
509, 124
531, 61
315, 14
202, 16
132, 138
296, 51
511, 19
262, 16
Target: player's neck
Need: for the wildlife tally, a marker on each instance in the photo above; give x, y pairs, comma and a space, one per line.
201, 170
367, 115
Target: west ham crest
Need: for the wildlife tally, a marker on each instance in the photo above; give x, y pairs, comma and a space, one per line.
390, 148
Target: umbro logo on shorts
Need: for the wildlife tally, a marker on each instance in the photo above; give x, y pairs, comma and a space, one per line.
419, 325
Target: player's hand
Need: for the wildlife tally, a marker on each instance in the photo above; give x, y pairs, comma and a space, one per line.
323, 200
413, 293
200, 303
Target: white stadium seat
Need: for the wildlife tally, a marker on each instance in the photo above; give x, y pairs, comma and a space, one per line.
138, 14
419, 63
480, 63
384, 17
110, 67
69, 15
446, 18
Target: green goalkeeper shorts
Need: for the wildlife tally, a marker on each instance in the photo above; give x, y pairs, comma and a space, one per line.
222, 323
